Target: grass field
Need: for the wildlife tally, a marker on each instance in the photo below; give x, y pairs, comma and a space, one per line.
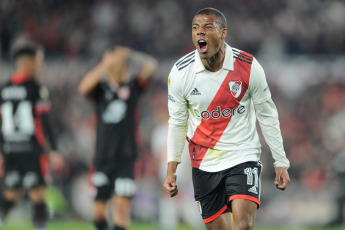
82, 225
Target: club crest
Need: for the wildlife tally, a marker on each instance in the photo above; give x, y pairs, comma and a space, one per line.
235, 88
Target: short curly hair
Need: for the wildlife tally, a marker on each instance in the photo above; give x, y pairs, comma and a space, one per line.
220, 18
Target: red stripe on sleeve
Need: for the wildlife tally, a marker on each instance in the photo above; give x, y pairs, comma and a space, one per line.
39, 132
42, 108
208, 133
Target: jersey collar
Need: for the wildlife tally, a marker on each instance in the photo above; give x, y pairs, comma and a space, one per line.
18, 78
228, 60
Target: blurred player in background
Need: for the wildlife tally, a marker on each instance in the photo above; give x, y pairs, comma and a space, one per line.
25, 124
214, 90
116, 91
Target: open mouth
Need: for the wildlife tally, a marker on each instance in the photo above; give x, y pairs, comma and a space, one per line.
202, 45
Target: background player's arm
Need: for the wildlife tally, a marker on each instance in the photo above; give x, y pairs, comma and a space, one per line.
42, 110
177, 129
267, 115
147, 64
91, 79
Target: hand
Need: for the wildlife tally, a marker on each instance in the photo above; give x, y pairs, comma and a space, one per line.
113, 57
56, 161
123, 51
170, 186
282, 178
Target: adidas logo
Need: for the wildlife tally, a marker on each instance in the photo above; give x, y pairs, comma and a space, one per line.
253, 190
195, 92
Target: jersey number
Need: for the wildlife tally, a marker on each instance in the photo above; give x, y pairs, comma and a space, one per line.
252, 174
19, 121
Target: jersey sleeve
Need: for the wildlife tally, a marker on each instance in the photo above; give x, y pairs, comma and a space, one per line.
177, 104
267, 115
43, 101
258, 86
42, 110
178, 113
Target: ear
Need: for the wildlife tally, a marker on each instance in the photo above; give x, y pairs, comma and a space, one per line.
224, 33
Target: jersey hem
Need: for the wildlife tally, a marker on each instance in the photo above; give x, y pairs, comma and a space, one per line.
227, 165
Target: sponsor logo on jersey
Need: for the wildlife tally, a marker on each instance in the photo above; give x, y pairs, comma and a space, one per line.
115, 112
235, 88
225, 113
199, 206
195, 92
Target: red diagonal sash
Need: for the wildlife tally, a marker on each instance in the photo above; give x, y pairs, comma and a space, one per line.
209, 131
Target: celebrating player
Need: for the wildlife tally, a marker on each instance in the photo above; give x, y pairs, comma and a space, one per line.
116, 94
24, 124
215, 95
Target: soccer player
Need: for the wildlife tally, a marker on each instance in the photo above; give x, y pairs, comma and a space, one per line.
116, 93
25, 124
215, 95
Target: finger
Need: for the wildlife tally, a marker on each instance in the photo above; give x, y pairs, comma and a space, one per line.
174, 193
285, 181
277, 179
169, 188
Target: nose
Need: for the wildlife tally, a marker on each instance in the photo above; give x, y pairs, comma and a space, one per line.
201, 31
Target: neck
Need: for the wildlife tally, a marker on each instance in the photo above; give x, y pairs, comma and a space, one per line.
215, 62
26, 71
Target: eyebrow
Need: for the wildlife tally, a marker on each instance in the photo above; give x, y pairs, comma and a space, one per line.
207, 24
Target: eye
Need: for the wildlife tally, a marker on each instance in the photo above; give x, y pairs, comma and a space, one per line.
195, 27
209, 27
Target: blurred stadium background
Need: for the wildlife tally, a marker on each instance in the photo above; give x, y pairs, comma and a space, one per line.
300, 44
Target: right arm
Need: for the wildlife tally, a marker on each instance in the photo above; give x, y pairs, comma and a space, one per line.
177, 129
91, 79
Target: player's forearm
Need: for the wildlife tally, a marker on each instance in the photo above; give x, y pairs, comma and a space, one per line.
176, 141
172, 166
48, 132
268, 119
91, 79
147, 64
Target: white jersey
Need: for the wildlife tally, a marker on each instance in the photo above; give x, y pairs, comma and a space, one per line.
218, 108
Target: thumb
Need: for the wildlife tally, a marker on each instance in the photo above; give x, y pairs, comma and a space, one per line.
277, 179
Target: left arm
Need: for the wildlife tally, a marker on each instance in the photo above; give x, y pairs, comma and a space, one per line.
147, 64
267, 115
42, 109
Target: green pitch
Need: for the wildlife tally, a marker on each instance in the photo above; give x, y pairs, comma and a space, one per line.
82, 225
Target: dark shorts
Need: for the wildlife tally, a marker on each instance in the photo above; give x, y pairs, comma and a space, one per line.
23, 171
118, 179
214, 191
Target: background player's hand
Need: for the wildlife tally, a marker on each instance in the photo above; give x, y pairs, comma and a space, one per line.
282, 178
56, 161
170, 186
111, 58
123, 51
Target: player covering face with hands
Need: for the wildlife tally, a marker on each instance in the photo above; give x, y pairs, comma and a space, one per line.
115, 91
216, 94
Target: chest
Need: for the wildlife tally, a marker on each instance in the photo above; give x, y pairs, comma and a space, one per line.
224, 88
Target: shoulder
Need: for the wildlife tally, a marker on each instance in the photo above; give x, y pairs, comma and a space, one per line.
185, 61
242, 56
43, 92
